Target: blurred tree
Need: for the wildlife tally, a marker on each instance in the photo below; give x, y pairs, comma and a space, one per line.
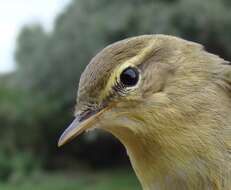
37, 102
31, 41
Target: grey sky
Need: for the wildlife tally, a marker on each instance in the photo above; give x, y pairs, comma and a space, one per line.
16, 13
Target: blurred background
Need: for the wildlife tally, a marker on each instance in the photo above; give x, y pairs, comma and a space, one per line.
44, 47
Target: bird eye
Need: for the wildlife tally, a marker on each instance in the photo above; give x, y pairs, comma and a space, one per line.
129, 77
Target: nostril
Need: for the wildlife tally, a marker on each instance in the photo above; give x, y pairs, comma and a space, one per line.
87, 113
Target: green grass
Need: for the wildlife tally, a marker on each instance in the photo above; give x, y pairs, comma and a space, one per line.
107, 180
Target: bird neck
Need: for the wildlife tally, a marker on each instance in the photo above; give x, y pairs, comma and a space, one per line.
158, 169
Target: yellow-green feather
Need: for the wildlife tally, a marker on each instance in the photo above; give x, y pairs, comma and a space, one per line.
176, 125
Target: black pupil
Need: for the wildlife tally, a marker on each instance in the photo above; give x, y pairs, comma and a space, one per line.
130, 76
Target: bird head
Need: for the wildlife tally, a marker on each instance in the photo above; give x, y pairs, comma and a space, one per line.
156, 94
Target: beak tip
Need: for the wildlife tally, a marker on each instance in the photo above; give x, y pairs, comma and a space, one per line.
76, 128
60, 143
63, 140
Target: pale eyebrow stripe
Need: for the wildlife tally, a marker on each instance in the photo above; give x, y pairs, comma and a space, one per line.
143, 55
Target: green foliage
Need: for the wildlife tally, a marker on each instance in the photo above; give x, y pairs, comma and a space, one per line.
15, 167
113, 180
37, 99
5, 167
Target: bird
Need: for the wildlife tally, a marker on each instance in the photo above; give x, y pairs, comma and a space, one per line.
168, 101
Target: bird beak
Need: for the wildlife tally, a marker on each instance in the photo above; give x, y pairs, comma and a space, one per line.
79, 125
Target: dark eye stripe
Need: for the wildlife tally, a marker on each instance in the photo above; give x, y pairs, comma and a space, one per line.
119, 88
